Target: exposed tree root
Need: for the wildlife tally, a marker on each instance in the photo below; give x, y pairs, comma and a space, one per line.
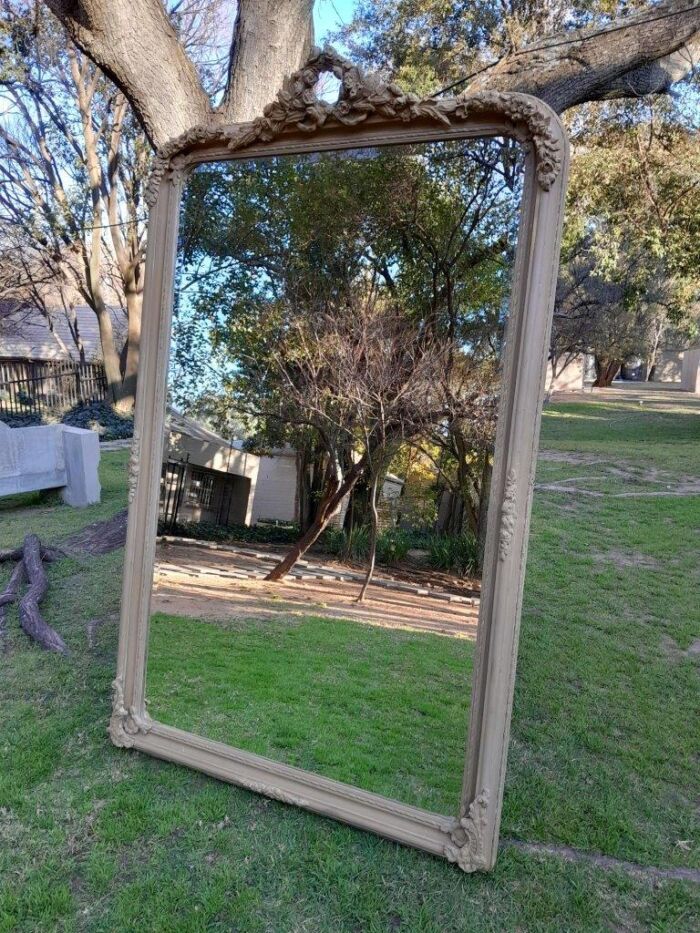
10, 593
30, 567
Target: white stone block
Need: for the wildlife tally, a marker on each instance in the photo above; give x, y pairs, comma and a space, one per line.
82, 458
50, 456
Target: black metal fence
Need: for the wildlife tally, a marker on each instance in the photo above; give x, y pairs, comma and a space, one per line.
31, 388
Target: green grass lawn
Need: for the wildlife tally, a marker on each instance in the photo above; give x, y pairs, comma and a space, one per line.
604, 748
385, 710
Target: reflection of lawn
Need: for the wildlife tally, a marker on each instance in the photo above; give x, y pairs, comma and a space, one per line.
385, 710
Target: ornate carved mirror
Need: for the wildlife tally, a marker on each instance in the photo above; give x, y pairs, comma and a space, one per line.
344, 343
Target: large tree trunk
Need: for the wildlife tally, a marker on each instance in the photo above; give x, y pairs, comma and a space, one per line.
271, 39
606, 370
110, 357
644, 53
134, 305
135, 45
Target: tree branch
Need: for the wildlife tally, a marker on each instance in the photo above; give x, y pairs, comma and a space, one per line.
641, 54
135, 45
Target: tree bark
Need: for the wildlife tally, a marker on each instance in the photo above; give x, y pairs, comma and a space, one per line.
644, 53
271, 39
136, 46
10, 593
373, 529
30, 618
606, 371
134, 306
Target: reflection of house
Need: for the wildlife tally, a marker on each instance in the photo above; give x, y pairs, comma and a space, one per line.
208, 479
675, 369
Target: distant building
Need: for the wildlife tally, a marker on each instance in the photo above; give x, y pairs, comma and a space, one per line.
206, 478
675, 369
42, 367
27, 334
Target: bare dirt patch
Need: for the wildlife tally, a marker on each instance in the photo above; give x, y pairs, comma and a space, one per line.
674, 652
198, 583
99, 537
650, 481
623, 559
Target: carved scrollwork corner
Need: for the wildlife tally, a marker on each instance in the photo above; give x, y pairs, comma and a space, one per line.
125, 723
467, 835
362, 96
508, 515
134, 464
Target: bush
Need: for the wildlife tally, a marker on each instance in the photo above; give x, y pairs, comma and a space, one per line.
101, 417
333, 540
393, 544
253, 534
110, 424
456, 553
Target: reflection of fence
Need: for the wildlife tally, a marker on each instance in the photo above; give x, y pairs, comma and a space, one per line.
30, 387
172, 487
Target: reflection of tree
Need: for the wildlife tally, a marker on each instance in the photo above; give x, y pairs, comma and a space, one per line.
361, 301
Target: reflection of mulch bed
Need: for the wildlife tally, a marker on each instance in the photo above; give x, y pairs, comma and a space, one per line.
410, 573
99, 537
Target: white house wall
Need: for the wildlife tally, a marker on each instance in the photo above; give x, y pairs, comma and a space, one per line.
276, 489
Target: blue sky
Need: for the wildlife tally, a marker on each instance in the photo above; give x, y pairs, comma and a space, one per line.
329, 15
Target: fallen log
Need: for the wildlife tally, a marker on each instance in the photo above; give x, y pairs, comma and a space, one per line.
30, 618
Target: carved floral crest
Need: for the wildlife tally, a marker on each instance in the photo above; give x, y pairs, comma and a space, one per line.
361, 96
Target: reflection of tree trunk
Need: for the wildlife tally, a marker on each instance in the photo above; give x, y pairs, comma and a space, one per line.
374, 527
606, 370
484, 495
309, 482
327, 508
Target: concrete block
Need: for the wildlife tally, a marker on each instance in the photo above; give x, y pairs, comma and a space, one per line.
81, 450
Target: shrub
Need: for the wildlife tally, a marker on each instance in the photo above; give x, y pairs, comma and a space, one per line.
393, 545
253, 534
101, 417
456, 553
333, 540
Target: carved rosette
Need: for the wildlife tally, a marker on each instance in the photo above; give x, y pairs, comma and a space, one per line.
125, 724
467, 834
134, 464
508, 515
362, 95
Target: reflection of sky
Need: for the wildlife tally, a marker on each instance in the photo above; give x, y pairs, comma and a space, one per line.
330, 15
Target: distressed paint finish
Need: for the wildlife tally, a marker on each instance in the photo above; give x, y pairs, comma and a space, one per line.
372, 114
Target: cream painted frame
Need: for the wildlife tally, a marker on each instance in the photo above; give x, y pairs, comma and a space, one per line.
367, 113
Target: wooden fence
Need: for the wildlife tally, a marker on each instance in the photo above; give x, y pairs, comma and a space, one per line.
30, 387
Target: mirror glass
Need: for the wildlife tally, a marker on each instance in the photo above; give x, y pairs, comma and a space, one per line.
338, 327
